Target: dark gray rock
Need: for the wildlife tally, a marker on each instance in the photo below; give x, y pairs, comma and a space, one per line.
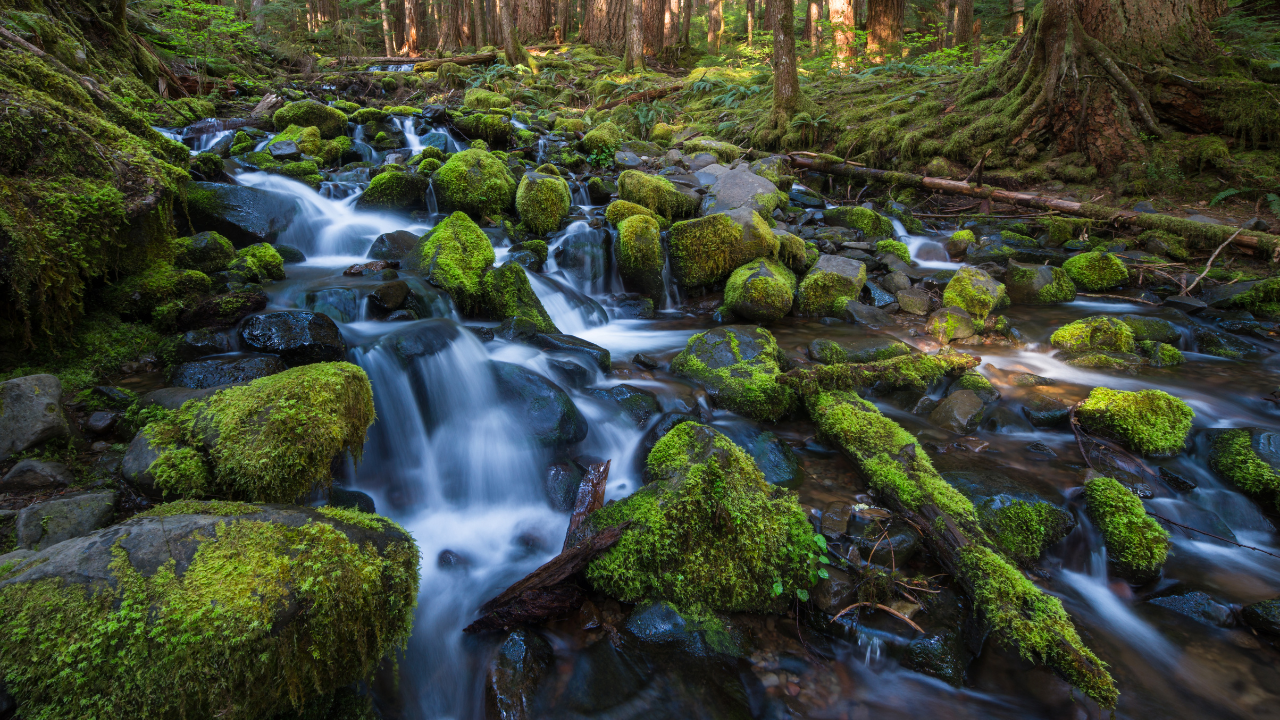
36, 475
299, 336
1263, 616
511, 685
779, 463
290, 254
101, 422
627, 160
878, 296
344, 498
959, 412
172, 398
916, 301
660, 624
561, 483
835, 592
951, 323
244, 215
584, 255
46, 524
393, 245
737, 189
872, 317
198, 343
1146, 327
1044, 411
389, 296
1198, 606
1185, 303
422, 339
30, 413
284, 151
544, 410
1224, 295
881, 538
638, 404
136, 465
1220, 344
895, 282
212, 372
573, 345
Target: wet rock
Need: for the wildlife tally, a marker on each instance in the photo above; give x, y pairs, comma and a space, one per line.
831, 278
561, 483
511, 686
423, 339
546, 412
1236, 321
950, 323
737, 364
450, 560
1041, 449
600, 190
212, 372
659, 624
284, 151
879, 298
1185, 303
573, 345
290, 254
959, 413
223, 310
584, 255
1198, 606
101, 422
299, 336
1263, 616
638, 404
775, 458
30, 413
392, 245
354, 499
1146, 327
1179, 483
1220, 344
835, 592
645, 361
1044, 411
1030, 284
740, 188
916, 301
198, 343
373, 267
389, 296
46, 524
873, 317
1224, 295
242, 214
35, 475
172, 398
882, 539
136, 465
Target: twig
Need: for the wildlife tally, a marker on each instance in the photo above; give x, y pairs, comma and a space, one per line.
1210, 263
889, 610
1075, 428
977, 169
1216, 537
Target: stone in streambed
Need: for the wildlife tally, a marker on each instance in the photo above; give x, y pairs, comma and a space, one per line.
298, 336
46, 524
213, 372
959, 412
244, 215
35, 475
392, 245
544, 410
30, 413
760, 291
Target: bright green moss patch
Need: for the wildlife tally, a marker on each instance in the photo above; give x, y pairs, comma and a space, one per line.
915, 371
506, 293
821, 291
394, 190
1136, 544
1235, 458
270, 440
1260, 298
739, 365
724, 152
975, 291
478, 99
654, 192
620, 210
1039, 284
895, 247
543, 201
307, 138
603, 140
138, 295
708, 249
1096, 271
1160, 354
1022, 530
760, 291
1152, 422
453, 257
868, 221
352, 516
207, 252
331, 122
201, 507
708, 533
1092, 334
264, 260
475, 181
640, 256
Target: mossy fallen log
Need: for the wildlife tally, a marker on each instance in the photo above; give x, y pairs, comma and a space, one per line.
904, 371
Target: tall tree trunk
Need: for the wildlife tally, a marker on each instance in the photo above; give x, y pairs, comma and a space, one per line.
884, 26
687, 15
964, 23
634, 56
844, 24
451, 25
259, 21
511, 47
412, 26
810, 21
478, 24
786, 80
751, 22
387, 37
815, 31
671, 23
651, 26
562, 21
1017, 13
714, 21
397, 24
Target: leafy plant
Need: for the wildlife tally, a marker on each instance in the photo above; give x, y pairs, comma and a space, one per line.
1224, 195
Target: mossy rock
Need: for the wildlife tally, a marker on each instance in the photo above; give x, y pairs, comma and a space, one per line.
331, 122
602, 140
708, 533
663, 133
639, 254
506, 293
480, 99
708, 249
897, 248
193, 610
620, 210
656, 193
264, 260
392, 190
761, 291
543, 200
975, 291
496, 130
268, 441
140, 295
1038, 284
739, 366
208, 165
1096, 271
1250, 458
453, 257
307, 139
567, 124
868, 221
724, 152
476, 182
1151, 422
368, 115
207, 252
1136, 544
832, 278
1094, 334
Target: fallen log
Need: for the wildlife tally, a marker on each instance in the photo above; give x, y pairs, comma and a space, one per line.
905, 371
435, 63
653, 94
1262, 245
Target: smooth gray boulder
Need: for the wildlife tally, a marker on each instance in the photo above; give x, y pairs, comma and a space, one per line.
959, 412
30, 413
35, 475
244, 215
46, 524
737, 189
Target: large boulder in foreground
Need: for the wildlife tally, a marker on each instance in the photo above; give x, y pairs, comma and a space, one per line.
244, 215
739, 366
476, 182
206, 610
268, 441
30, 413
707, 249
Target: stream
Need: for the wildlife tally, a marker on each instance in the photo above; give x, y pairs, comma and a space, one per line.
447, 460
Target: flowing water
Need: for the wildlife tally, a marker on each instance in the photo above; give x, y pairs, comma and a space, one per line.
448, 460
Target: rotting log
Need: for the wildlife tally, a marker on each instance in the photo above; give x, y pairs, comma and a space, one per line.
1261, 244
435, 63
905, 371
646, 95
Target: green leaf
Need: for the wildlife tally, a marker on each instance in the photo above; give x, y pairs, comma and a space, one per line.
803, 595
822, 573
1223, 196
777, 588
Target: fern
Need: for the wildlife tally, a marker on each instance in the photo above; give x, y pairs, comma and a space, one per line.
1273, 202
1223, 196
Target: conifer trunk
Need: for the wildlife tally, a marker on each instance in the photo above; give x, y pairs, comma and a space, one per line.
884, 26
786, 81
451, 25
387, 37
562, 21
844, 23
964, 23
751, 22
1017, 17
634, 57
478, 35
714, 19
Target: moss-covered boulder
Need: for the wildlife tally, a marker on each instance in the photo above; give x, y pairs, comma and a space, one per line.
832, 278
479, 99
330, 121
761, 291
494, 128
203, 610
506, 293
708, 533
140, 295
1096, 270
868, 221
724, 152
263, 260
207, 252
268, 441
896, 248
658, 194
543, 200
453, 257
975, 291
476, 182
620, 210
1136, 544
1038, 284
739, 365
639, 254
708, 249
1250, 458
394, 190
1094, 334
307, 139
603, 140
1151, 422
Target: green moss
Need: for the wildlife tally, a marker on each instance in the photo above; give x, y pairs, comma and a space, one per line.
962, 239
537, 247
331, 122
1152, 422
394, 190
478, 99
1022, 530
1160, 354
275, 437
402, 110
543, 201
100, 344
1234, 458
215, 637
428, 166
453, 257
1260, 298
895, 247
975, 291
868, 221
182, 472
708, 533
707, 249
496, 129
603, 140
1174, 245
201, 507
820, 291
724, 152
746, 386
620, 210
1096, 270
506, 293
352, 516
307, 138
475, 181
664, 133
567, 124
760, 291
1021, 285
1092, 334
345, 106
208, 165
303, 171
656, 193
207, 252
264, 260
640, 256
796, 253
1136, 544
138, 295
978, 383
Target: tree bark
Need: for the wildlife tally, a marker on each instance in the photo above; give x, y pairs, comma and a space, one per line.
786, 80
387, 37
562, 21
751, 22
634, 56
259, 22
844, 24
884, 26
671, 23
451, 26
511, 47
412, 20
714, 22
964, 23
478, 35
1017, 13
687, 13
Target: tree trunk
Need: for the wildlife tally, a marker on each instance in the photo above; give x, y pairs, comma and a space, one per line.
670, 23
651, 26
634, 57
387, 37
397, 23
786, 81
412, 20
810, 22
687, 14
1017, 13
259, 22
714, 21
562, 21
511, 47
844, 23
751, 22
884, 26
964, 23
451, 25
